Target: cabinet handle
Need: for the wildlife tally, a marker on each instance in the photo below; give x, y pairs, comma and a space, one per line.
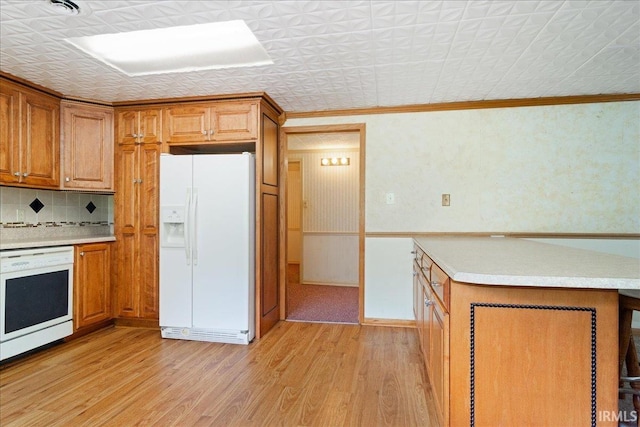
82, 253
67, 179
135, 135
141, 135
415, 273
210, 131
427, 302
25, 174
16, 174
413, 252
435, 284
204, 132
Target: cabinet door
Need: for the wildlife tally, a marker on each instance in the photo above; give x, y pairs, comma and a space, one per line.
149, 169
126, 221
427, 328
9, 134
127, 125
40, 140
87, 144
139, 127
150, 130
234, 121
438, 359
92, 284
187, 124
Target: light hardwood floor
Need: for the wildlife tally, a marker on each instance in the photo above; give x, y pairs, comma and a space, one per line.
299, 374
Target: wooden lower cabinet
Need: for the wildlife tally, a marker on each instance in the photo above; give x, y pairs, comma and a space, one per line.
509, 355
92, 284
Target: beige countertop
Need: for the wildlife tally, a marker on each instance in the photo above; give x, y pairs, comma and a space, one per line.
6, 244
518, 262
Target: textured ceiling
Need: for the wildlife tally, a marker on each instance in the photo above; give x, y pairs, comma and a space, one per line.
348, 54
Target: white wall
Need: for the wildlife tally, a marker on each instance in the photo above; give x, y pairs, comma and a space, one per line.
556, 169
565, 168
388, 280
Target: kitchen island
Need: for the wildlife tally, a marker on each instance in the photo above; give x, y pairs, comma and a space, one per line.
516, 332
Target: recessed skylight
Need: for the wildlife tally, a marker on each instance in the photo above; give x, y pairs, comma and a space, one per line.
177, 49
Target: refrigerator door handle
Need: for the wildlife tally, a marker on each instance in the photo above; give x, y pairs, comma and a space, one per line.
194, 248
187, 226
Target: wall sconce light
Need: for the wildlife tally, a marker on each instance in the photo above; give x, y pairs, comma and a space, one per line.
335, 161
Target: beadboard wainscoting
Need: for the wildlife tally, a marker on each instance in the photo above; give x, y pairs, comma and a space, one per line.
323, 218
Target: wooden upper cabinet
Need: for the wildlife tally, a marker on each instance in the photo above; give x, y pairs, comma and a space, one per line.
225, 121
87, 146
30, 137
9, 134
139, 126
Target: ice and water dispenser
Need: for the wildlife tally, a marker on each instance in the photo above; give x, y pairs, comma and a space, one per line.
173, 223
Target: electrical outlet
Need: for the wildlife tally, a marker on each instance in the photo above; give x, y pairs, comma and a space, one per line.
20, 215
446, 200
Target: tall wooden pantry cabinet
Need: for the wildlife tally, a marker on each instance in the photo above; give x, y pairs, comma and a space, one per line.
214, 124
138, 147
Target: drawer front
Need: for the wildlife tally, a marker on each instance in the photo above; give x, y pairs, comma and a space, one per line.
440, 283
426, 264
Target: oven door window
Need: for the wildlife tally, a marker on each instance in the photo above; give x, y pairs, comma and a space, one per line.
36, 299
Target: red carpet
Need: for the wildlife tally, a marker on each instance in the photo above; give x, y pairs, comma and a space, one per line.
320, 303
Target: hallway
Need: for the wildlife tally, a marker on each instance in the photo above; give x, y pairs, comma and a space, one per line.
319, 303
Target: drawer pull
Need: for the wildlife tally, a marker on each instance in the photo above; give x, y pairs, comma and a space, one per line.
435, 283
427, 302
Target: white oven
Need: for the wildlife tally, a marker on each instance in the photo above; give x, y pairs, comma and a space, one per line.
36, 298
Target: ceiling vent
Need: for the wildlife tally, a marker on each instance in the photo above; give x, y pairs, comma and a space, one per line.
65, 7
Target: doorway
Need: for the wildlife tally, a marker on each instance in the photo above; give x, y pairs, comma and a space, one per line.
323, 223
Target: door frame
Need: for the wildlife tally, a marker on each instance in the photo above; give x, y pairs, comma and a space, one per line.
285, 131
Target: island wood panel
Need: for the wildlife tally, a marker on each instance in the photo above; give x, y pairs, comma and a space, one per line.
526, 356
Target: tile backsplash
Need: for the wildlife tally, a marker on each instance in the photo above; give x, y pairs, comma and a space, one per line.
19, 205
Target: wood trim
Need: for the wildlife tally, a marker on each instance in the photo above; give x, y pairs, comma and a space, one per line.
84, 101
392, 323
362, 129
30, 85
330, 233
520, 235
356, 127
137, 323
470, 105
205, 98
340, 284
89, 329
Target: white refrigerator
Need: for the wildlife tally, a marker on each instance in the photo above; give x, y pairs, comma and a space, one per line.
207, 251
